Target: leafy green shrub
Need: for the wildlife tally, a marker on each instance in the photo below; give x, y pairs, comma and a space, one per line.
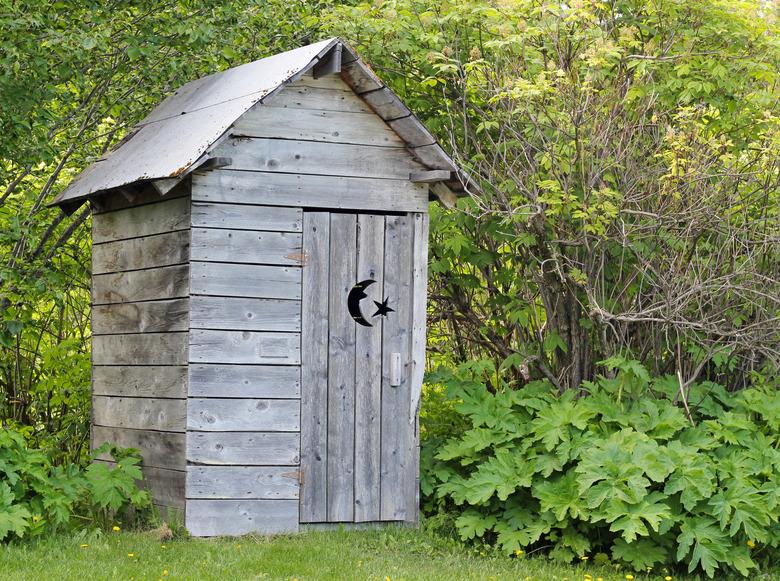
37, 497
619, 468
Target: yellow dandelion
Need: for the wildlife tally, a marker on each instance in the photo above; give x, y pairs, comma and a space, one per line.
751, 545
84, 546
387, 578
131, 555
165, 572
629, 577
36, 518
668, 578
163, 547
584, 558
519, 552
599, 578
115, 528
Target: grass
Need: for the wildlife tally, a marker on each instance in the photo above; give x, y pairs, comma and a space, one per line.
395, 554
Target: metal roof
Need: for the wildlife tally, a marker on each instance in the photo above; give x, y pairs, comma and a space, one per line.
174, 139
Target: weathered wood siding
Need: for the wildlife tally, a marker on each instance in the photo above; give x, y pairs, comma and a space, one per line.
140, 321
243, 412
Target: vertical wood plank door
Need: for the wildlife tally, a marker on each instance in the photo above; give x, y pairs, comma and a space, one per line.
358, 441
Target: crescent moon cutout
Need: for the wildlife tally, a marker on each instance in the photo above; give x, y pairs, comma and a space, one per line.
356, 295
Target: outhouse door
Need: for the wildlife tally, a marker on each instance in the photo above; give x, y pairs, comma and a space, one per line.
359, 456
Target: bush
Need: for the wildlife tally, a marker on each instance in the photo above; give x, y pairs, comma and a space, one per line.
620, 469
38, 498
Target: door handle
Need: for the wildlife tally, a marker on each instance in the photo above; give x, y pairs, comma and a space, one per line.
395, 369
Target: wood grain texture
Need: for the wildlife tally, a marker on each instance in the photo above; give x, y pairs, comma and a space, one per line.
147, 194
158, 449
139, 413
333, 82
413, 133
258, 381
208, 518
246, 280
361, 78
419, 309
386, 104
341, 369
232, 216
318, 191
300, 96
244, 246
145, 317
245, 347
164, 216
312, 158
397, 472
140, 349
235, 482
316, 125
243, 415
314, 367
243, 314
137, 253
141, 285
368, 372
244, 448
163, 381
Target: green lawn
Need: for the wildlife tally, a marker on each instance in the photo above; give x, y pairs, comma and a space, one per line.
395, 554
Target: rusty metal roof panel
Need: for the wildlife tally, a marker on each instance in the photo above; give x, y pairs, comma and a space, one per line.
181, 129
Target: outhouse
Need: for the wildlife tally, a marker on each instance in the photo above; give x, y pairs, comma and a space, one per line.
259, 294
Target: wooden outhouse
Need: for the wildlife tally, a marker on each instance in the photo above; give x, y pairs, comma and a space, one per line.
258, 291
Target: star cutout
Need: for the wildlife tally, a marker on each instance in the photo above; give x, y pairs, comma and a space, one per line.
382, 309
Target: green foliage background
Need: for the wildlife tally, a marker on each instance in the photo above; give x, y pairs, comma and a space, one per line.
626, 228
620, 475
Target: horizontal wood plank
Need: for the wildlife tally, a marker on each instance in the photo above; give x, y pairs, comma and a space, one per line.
244, 246
318, 191
137, 253
232, 216
140, 413
145, 317
243, 314
161, 381
333, 82
244, 448
158, 449
260, 381
158, 218
313, 158
141, 285
243, 415
314, 125
246, 280
208, 518
234, 482
245, 347
140, 349
298, 96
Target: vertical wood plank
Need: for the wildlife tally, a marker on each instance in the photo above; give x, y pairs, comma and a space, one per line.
368, 370
419, 316
314, 367
341, 369
397, 469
